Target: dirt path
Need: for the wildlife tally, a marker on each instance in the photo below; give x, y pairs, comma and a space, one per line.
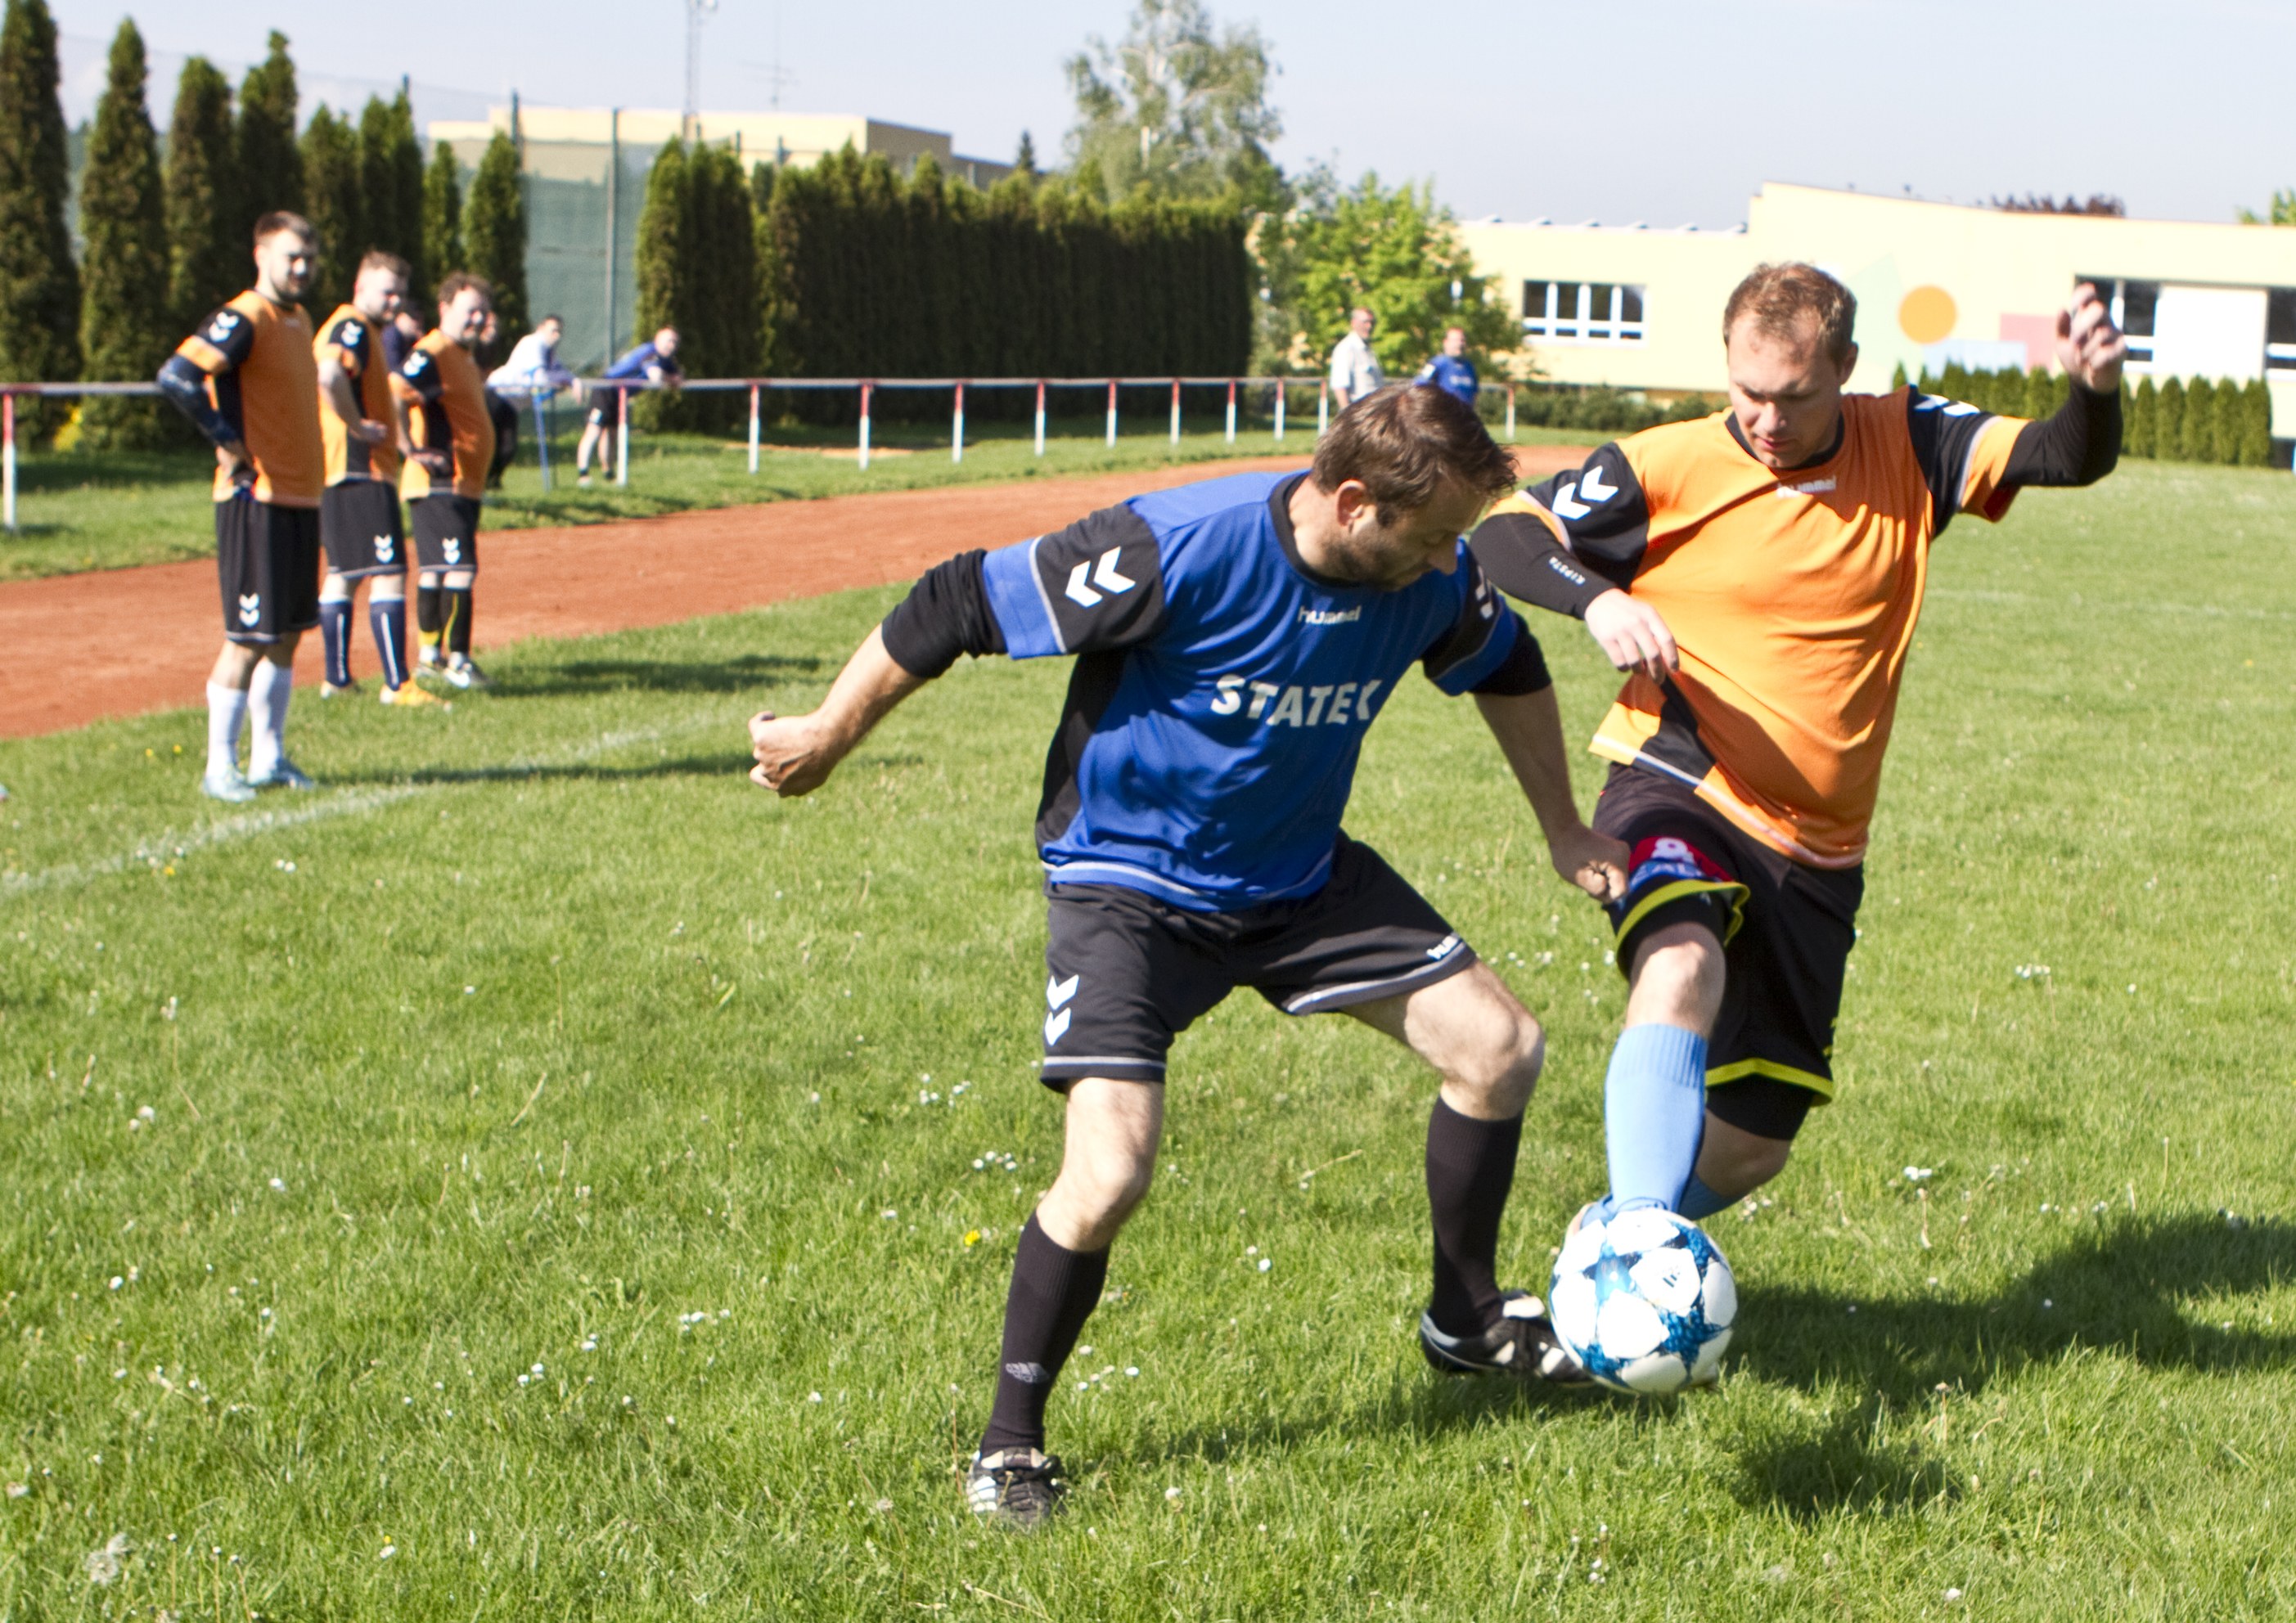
77, 648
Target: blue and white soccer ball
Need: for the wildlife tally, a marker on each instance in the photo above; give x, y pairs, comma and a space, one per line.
1646, 1301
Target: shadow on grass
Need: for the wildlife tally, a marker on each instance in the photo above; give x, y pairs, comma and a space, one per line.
743, 671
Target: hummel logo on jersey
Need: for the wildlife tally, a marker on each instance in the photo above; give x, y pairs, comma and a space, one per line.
1816, 487
1951, 408
1057, 994
383, 549
1567, 504
1331, 617
250, 608
415, 364
1103, 575
1332, 706
223, 326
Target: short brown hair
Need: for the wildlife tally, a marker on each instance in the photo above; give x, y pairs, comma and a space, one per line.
1778, 297
1403, 442
278, 220
453, 286
376, 259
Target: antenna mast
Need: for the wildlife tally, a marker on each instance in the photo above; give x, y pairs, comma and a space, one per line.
696, 13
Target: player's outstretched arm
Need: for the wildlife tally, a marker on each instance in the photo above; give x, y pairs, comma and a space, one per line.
796, 754
1529, 727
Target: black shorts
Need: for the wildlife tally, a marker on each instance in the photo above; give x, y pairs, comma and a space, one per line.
445, 532
1787, 929
268, 564
1128, 973
358, 522
606, 407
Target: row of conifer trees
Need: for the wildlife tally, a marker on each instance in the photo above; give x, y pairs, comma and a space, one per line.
164, 241
2226, 423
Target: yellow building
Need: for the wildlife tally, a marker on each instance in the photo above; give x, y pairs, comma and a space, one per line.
1636, 307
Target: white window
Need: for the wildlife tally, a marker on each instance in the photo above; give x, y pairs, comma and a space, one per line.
1582, 312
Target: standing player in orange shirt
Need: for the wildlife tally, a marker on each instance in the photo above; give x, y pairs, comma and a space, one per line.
248, 382
358, 516
447, 439
1759, 573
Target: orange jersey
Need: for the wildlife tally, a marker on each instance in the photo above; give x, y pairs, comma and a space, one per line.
1792, 597
265, 383
447, 394
354, 344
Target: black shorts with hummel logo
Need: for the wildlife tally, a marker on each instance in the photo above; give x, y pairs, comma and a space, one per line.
358, 523
1129, 972
268, 564
446, 531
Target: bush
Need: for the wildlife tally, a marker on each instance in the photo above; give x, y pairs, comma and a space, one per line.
2142, 420
1603, 409
2168, 422
2255, 424
2196, 429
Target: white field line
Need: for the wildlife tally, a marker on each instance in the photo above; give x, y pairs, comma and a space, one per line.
154, 850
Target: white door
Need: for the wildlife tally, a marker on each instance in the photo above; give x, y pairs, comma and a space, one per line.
2209, 332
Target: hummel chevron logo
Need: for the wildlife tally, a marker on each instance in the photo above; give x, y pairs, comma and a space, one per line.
1567, 504
383, 549
1058, 992
1056, 1026
250, 608
1103, 575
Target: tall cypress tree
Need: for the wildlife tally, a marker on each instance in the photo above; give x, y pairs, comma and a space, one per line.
391, 180
269, 169
336, 207
124, 331
494, 232
2225, 441
2143, 418
2255, 424
40, 287
207, 246
2197, 427
442, 226
664, 251
2168, 421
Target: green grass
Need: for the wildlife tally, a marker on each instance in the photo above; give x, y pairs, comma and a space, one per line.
552, 1032
85, 510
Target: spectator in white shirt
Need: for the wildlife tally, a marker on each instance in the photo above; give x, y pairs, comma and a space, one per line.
532, 372
1354, 369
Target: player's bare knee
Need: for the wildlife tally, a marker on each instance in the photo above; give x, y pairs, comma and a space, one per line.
1676, 976
1742, 1163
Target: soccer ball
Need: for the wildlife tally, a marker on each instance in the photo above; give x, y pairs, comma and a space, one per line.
1644, 1301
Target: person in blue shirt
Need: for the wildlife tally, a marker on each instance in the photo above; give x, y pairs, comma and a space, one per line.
1451, 370
1233, 640
653, 362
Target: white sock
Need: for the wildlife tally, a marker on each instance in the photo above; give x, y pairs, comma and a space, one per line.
227, 709
267, 694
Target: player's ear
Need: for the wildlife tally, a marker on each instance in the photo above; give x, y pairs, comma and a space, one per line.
1850, 363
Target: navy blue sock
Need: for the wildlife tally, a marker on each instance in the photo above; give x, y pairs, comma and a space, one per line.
386, 617
335, 633
1653, 1114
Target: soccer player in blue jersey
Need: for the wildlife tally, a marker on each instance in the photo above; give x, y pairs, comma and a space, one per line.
1450, 370
1233, 640
653, 362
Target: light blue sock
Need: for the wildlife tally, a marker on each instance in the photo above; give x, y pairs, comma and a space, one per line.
1653, 1114
1698, 1202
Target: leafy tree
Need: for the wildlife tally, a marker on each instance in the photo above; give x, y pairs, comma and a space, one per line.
2282, 211
2255, 447
1175, 108
207, 245
2168, 421
442, 224
39, 288
337, 208
124, 331
2197, 428
391, 181
269, 169
1395, 253
1024, 161
494, 232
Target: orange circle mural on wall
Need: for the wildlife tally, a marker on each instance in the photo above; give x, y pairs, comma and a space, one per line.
1927, 314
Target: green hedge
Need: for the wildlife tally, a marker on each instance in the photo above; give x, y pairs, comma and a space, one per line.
1600, 408
2225, 422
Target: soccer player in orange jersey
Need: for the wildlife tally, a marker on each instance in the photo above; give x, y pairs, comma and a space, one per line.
358, 516
1758, 573
446, 437
248, 382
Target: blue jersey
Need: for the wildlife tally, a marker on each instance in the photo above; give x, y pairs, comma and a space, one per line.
1222, 689
1454, 375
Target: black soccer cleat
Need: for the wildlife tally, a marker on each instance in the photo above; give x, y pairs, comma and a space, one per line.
1522, 1344
1017, 1489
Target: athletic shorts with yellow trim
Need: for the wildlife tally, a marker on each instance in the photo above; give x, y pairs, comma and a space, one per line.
1786, 931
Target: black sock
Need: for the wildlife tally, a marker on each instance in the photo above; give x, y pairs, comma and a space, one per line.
1470, 1171
386, 617
1054, 1290
428, 615
335, 638
456, 603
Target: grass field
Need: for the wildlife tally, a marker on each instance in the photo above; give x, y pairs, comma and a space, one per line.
539, 1176
85, 510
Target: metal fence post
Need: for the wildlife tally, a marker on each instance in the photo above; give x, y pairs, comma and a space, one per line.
622, 440
8, 453
1322, 408
1111, 410
754, 390
956, 429
1510, 431
864, 425
1280, 393
1175, 411
542, 437
1231, 411
1040, 416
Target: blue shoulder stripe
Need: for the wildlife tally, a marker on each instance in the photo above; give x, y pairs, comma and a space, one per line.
1016, 597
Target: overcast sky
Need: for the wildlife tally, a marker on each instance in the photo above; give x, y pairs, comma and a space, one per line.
1665, 111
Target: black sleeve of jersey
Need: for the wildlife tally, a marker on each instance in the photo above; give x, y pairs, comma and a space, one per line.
421, 376
230, 335
350, 336
1524, 670
1944, 432
1603, 509
2079, 445
944, 614
184, 386
1101, 579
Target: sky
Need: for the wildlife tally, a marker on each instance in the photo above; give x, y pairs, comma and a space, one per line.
1661, 111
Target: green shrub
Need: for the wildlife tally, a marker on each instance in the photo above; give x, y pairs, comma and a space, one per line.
2255, 449
2141, 418
2197, 431
2168, 421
